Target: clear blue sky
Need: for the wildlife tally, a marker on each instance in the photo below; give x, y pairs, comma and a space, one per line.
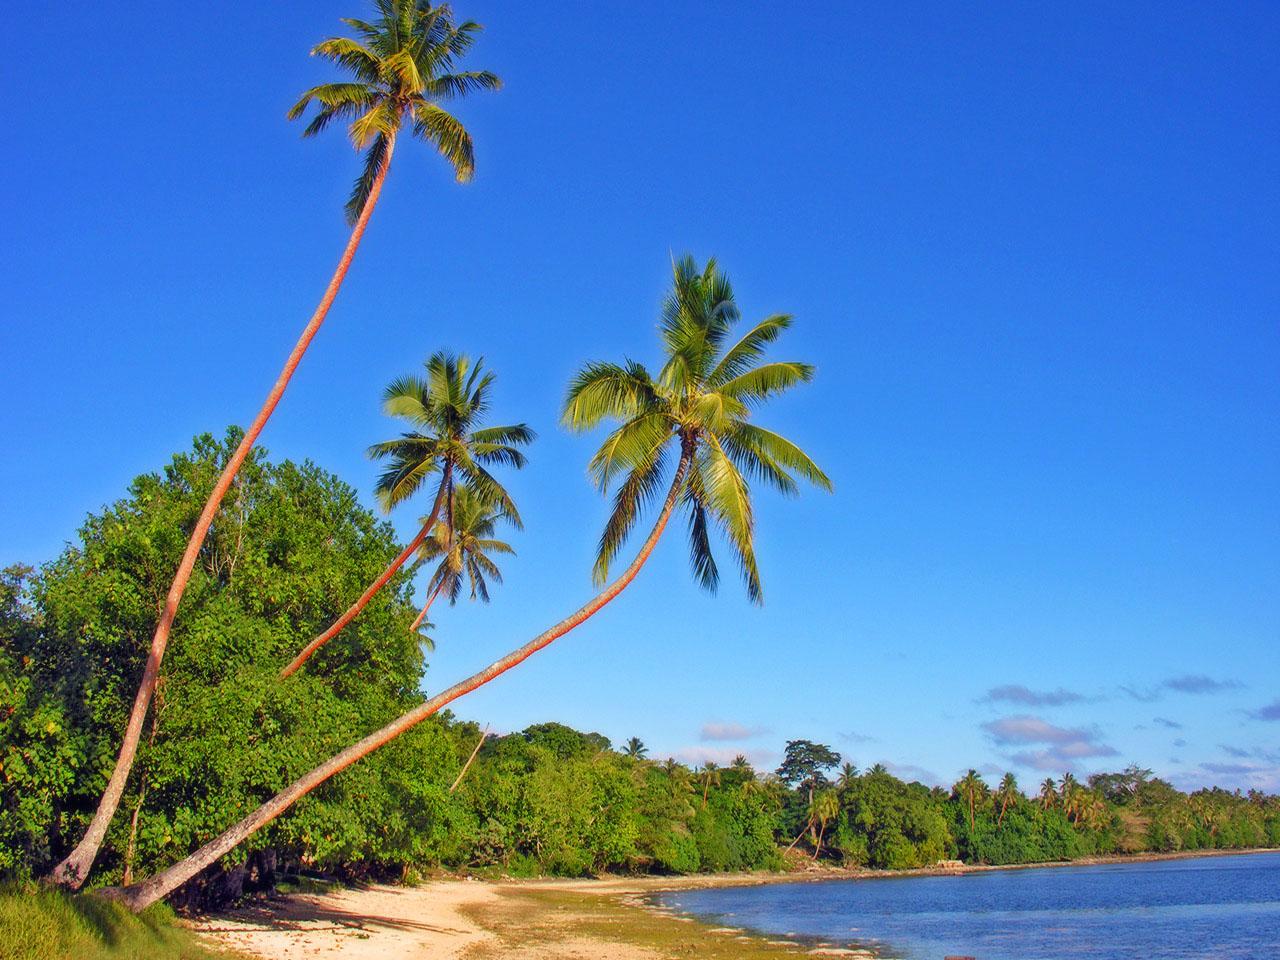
1033, 252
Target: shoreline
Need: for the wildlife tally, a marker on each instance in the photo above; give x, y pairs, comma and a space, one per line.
598, 918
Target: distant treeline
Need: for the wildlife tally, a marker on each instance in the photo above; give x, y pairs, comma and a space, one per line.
291, 545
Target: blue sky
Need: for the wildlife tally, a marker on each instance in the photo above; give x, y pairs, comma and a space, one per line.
1033, 253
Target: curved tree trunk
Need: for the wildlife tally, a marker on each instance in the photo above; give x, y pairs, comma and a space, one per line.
72, 871
427, 606
354, 610
470, 760
147, 892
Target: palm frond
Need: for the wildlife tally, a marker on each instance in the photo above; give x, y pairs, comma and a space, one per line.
453, 85
701, 558
729, 501
767, 380
352, 55
781, 451
407, 397
640, 489
441, 129
601, 391
511, 434
375, 159
632, 446
402, 480
749, 348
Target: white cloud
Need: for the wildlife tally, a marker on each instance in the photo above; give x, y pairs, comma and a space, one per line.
729, 731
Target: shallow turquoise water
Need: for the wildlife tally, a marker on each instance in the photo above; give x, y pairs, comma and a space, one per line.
1224, 908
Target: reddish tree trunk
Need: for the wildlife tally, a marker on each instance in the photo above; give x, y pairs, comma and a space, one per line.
72, 871
427, 606
354, 610
147, 892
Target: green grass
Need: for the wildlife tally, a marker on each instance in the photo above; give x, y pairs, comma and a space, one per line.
41, 924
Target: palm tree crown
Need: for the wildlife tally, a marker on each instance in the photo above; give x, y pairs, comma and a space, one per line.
445, 409
463, 540
701, 400
402, 65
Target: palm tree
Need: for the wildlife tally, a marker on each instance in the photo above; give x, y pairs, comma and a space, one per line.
635, 748
824, 808
848, 774
462, 541
403, 63
701, 402
1048, 793
971, 788
400, 68
708, 776
445, 408
1006, 794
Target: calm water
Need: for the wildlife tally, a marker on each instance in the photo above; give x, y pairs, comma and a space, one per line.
1226, 908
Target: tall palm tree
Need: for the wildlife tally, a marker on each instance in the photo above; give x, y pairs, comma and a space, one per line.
1006, 794
701, 403
445, 409
848, 774
635, 748
1048, 793
462, 541
824, 808
708, 776
403, 64
971, 788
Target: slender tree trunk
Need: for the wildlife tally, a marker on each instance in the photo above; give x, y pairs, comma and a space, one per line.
799, 836
147, 892
470, 760
427, 606
354, 610
817, 847
73, 871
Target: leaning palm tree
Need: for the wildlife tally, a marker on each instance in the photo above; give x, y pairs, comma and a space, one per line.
462, 541
402, 65
700, 403
445, 409
1048, 793
824, 808
1006, 794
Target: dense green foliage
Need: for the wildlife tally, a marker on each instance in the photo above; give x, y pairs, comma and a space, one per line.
290, 549
42, 924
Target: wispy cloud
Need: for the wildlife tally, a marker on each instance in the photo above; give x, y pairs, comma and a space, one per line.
1231, 751
1017, 693
1059, 746
1192, 683
1270, 712
851, 736
729, 731
1167, 723
1199, 683
1264, 776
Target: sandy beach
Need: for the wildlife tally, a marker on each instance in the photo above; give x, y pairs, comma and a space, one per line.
480, 919
473, 919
